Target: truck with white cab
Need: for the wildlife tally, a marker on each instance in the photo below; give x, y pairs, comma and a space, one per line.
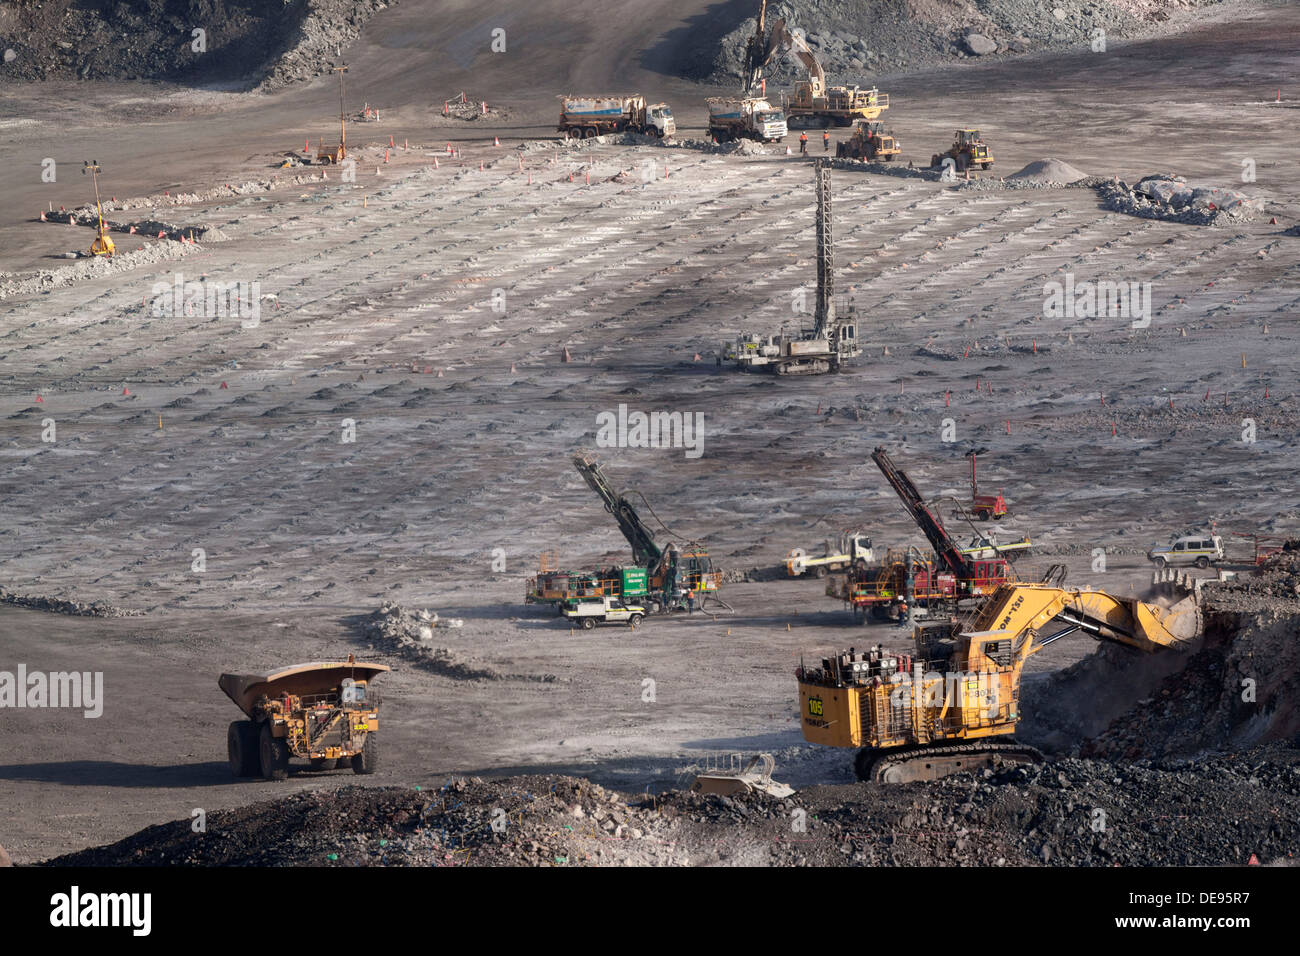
606, 610
1198, 548
585, 117
749, 117
853, 549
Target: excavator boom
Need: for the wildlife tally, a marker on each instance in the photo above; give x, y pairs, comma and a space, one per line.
1024, 609
792, 42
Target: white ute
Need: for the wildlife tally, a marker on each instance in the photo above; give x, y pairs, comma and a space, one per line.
609, 610
1201, 550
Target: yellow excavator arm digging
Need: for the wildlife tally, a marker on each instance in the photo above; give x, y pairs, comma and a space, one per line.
945, 709
1023, 609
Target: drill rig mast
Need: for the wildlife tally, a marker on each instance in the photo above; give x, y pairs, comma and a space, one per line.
832, 340
674, 577
974, 577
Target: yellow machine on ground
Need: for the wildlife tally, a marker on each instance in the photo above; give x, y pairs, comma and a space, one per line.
812, 103
103, 245
871, 143
968, 149
325, 712
945, 708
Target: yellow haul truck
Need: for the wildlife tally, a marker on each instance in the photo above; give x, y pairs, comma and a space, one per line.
945, 708
324, 712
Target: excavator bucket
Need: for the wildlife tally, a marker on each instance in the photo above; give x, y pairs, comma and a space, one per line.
1170, 627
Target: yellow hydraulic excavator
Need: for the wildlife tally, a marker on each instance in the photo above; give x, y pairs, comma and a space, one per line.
945, 708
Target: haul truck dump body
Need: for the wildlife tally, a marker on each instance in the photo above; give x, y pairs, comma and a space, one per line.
325, 712
932, 712
582, 117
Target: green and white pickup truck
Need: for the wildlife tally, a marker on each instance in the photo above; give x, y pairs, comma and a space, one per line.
607, 610
1201, 550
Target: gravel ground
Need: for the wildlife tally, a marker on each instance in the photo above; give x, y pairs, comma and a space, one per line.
191, 431
856, 40
1069, 812
245, 44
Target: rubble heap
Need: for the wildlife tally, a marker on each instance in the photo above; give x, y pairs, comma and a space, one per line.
1065, 813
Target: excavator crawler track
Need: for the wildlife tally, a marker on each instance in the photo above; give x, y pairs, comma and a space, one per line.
915, 764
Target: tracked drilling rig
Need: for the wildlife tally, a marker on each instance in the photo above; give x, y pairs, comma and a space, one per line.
942, 581
676, 577
833, 339
761, 48
951, 705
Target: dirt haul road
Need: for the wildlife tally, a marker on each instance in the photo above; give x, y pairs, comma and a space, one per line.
249, 533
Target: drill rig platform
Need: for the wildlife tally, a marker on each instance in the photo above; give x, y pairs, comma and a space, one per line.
832, 340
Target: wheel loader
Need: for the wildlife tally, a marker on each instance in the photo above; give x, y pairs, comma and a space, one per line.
968, 149
871, 143
324, 712
953, 703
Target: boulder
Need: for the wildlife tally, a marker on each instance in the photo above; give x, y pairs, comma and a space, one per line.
979, 45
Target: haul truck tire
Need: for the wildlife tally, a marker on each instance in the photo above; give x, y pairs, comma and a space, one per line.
368, 760
241, 748
273, 755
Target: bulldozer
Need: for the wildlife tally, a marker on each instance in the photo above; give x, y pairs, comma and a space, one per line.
968, 149
952, 704
323, 712
871, 143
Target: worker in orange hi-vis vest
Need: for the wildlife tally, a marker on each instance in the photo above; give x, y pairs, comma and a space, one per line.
803, 144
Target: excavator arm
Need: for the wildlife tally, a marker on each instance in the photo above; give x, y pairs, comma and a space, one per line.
1021, 611
793, 44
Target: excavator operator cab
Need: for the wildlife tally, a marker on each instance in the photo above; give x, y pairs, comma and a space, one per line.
935, 643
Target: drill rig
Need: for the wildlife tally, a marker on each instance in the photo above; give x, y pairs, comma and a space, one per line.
676, 578
955, 575
832, 340
944, 708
